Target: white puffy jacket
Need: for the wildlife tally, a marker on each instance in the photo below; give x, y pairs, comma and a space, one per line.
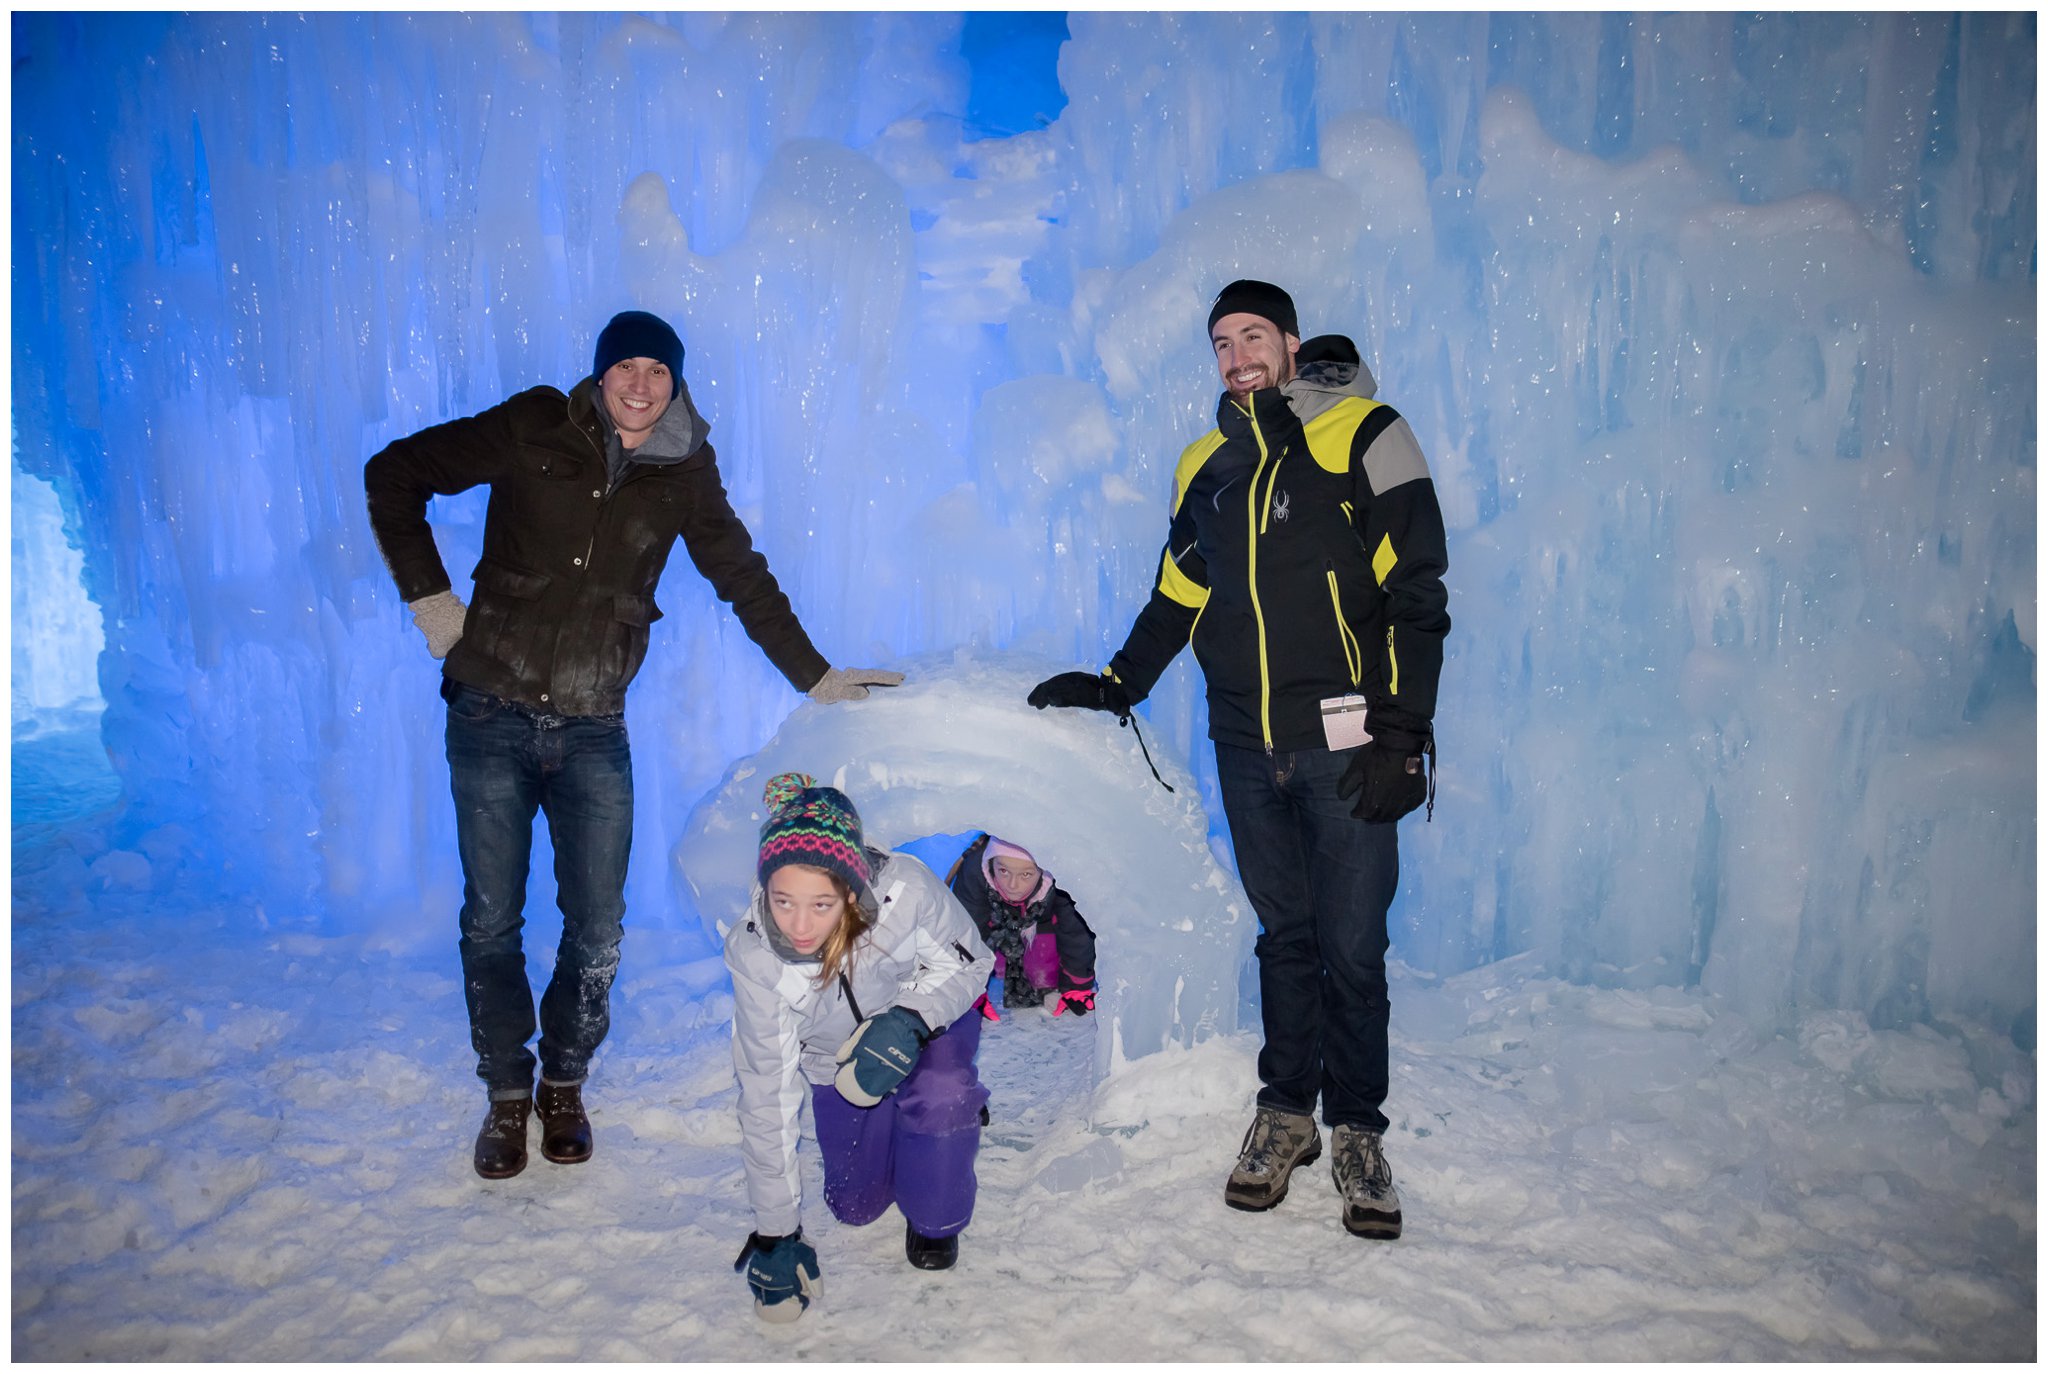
923, 953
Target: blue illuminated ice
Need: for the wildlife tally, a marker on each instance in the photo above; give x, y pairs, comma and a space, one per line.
1733, 436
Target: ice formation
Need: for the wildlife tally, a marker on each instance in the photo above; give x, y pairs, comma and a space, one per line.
1718, 330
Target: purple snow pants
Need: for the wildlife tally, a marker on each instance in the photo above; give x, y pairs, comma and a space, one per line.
915, 1147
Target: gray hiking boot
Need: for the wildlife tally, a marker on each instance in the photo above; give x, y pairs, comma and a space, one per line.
1275, 1146
1372, 1205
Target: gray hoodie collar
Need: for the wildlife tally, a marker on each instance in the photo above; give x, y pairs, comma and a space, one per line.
1327, 369
680, 432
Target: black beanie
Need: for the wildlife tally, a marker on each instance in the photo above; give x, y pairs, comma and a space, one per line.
637, 334
1260, 298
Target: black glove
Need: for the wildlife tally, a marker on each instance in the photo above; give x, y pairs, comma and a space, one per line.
1391, 775
1095, 692
783, 1275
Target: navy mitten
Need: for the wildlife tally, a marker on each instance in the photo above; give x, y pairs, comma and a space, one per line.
879, 1055
783, 1274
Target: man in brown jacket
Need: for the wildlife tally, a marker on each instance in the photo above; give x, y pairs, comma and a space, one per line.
589, 493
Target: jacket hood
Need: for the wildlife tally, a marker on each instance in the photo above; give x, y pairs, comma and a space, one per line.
1004, 849
679, 433
1326, 370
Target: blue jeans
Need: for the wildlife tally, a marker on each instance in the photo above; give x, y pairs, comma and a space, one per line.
506, 761
1321, 881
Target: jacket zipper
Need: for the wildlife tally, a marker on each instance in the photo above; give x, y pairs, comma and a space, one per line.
1393, 666
1354, 657
610, 490
1253, 526
590, 550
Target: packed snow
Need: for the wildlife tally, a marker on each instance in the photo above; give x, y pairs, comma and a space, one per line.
233, 1144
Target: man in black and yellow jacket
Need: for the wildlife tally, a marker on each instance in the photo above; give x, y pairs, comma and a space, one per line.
1305, 564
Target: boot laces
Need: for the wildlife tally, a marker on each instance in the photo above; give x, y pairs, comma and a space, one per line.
1262, 1141
1362, 1164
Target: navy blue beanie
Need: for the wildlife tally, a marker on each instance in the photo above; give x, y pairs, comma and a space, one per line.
637, 334
1260, 298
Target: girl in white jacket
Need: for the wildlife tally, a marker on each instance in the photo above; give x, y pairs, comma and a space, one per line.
854, 977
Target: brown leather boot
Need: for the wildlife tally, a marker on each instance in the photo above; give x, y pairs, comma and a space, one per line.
501, 1144
565, 1137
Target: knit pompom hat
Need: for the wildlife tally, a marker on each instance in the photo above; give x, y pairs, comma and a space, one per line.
816, 826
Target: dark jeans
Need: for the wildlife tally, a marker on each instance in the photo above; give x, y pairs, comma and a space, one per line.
506, 761
1321, 881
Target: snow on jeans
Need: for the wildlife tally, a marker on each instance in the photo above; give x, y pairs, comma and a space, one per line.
505, 762
915, 1147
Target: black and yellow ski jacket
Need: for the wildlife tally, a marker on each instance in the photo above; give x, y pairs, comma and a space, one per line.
1305, 560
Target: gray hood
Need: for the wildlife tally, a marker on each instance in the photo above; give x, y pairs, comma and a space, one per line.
1326, 370
680, 432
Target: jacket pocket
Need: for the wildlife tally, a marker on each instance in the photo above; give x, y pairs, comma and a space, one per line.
503, 618
506, 580
629, 609
551, 464
625, 640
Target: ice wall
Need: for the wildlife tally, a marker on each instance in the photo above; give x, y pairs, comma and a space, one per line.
1718, 330
57, 635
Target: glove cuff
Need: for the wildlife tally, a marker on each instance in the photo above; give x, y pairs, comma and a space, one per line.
922, 1028
758, 1242
1115, 695
1393, 737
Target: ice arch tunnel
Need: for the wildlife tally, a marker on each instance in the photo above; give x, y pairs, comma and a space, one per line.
956, 749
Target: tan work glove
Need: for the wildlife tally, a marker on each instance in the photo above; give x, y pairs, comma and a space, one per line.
440, 619
850, 684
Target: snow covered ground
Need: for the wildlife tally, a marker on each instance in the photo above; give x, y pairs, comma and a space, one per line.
231, 1144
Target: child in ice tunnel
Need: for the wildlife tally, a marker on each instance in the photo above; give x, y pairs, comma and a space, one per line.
855, 974
1040, 941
